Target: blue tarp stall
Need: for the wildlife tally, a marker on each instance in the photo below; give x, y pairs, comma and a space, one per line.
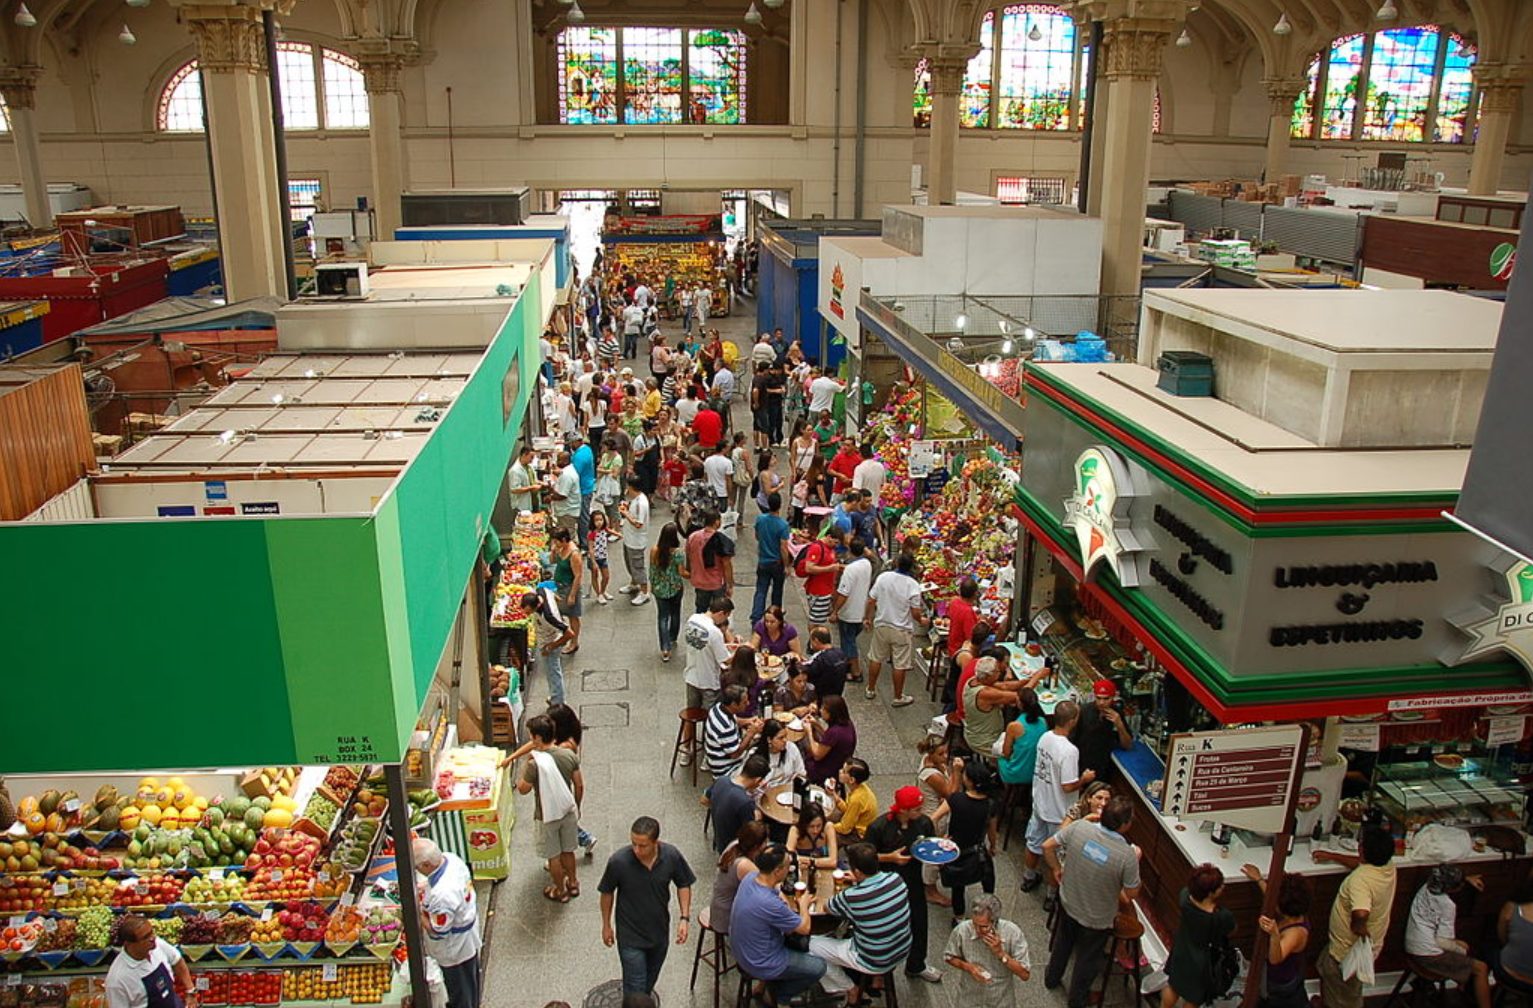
552, 226
193, 271
788, 282
21, 326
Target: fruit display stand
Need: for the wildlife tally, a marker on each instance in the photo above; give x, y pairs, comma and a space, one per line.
689, 260
252, 874
476, 815
521, 570
965, 527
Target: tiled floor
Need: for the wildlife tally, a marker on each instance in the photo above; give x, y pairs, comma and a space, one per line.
628, 699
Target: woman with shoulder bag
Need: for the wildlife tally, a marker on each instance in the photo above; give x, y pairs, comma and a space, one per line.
971, 825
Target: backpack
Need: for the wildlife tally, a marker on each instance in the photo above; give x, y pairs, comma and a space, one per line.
1223, 967
801, 564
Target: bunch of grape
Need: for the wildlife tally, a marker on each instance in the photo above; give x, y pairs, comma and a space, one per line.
95, 928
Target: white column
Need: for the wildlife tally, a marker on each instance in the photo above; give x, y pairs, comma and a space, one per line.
1282, 92
1500, 87
18, 85
385, 139
231, 50
947, 85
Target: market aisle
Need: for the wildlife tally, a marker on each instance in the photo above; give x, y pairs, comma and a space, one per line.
628, 700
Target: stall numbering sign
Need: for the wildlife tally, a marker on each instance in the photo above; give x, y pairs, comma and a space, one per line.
1240, 778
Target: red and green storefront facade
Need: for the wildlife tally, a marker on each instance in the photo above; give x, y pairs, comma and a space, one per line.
1266, 607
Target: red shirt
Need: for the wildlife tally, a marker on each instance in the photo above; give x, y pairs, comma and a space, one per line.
823, 583
842, 467
675, 471
961, 622
963, 680
708, 426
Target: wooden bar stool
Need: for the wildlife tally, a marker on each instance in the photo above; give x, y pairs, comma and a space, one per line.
937, 668
717, 957
695, 716
1126, 934
1420, 981
888, 991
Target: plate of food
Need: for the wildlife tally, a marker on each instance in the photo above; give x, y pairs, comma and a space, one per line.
934, 850
1501, 710
785, 717
1409, 715
1449, 761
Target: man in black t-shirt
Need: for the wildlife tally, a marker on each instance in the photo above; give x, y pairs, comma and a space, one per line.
772, 383
1101, 729
638, 883
828, 666
892, 835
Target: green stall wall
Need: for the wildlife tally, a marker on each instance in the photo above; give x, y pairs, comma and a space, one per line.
189, 643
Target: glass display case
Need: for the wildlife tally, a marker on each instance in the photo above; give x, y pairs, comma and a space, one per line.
1452, 789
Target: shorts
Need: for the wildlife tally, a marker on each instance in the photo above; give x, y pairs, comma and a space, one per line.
1336, 992
1039, 830
567, 608
703, 699
849, 633
600, 562
819, 608
893, 645
560, 836
570, 523
1456, 966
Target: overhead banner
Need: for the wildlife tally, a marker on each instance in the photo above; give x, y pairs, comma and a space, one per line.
1499, 483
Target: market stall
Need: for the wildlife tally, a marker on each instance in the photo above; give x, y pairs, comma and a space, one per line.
669, 252
1251, 560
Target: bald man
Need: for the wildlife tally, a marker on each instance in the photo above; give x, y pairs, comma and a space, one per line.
450, 918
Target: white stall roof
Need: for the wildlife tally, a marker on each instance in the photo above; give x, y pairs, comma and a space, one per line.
202, 452
364, 365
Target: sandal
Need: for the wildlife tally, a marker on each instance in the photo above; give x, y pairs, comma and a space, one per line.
572, 889
554, 896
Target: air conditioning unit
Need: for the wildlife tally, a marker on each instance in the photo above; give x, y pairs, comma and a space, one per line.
340, 280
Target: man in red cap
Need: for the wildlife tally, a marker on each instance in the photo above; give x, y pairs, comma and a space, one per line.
892, 836
1101, 729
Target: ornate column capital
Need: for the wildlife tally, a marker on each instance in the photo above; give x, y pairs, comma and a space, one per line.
380, 72
1500, 85
1136, 47
947, 74
18, 85
229, 38
1282, 92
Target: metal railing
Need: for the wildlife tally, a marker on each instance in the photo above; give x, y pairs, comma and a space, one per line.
972, 325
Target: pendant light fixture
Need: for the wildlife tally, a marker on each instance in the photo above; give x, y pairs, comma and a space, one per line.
1387, 11
126, 36
576, 15
753, 16
1183, 40
1283, 27
1035, 33
772, 4
25, 18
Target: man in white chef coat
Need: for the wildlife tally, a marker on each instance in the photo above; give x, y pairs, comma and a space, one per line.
450, 917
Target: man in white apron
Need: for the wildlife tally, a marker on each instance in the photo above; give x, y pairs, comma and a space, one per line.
150, 973
450, 916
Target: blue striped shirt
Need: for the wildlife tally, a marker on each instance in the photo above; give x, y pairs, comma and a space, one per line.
721, 740
878, 908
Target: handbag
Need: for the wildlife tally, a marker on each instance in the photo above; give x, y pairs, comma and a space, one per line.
967, 869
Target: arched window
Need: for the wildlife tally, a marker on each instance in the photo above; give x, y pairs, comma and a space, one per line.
650, 76
5, 117
1030, 73
1400, 84
321, 89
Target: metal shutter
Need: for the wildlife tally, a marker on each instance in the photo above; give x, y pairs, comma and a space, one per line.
1317, 233
1244, 217
1201, 213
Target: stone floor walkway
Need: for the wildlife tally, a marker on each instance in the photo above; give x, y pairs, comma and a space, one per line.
628, 700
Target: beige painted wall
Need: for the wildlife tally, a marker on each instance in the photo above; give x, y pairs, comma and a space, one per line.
96, 109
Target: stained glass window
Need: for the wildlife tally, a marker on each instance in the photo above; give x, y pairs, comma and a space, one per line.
1344, 76
588, 77
652, 75
1037, 74
1454, 92
716, 77
1400, 75
974, 102
1304, 106
922, 104
5, 117
1383, 86
321, 89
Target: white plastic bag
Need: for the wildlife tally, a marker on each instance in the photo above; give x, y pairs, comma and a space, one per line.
1437, 842
1358, 961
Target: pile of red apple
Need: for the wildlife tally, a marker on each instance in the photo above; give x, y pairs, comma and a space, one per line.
148, 890
303, 922
280, 884
20, 893
252, 988
279, 848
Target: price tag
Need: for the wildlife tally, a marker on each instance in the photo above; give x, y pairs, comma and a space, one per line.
61, 887
266, 915
49, 924
71, 806
141, 888
1503, 730
276, 874
204, 983
323, 875
330, 972
347, 899
210, 915
1362, 737
13, 980
18, 921
216, 874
